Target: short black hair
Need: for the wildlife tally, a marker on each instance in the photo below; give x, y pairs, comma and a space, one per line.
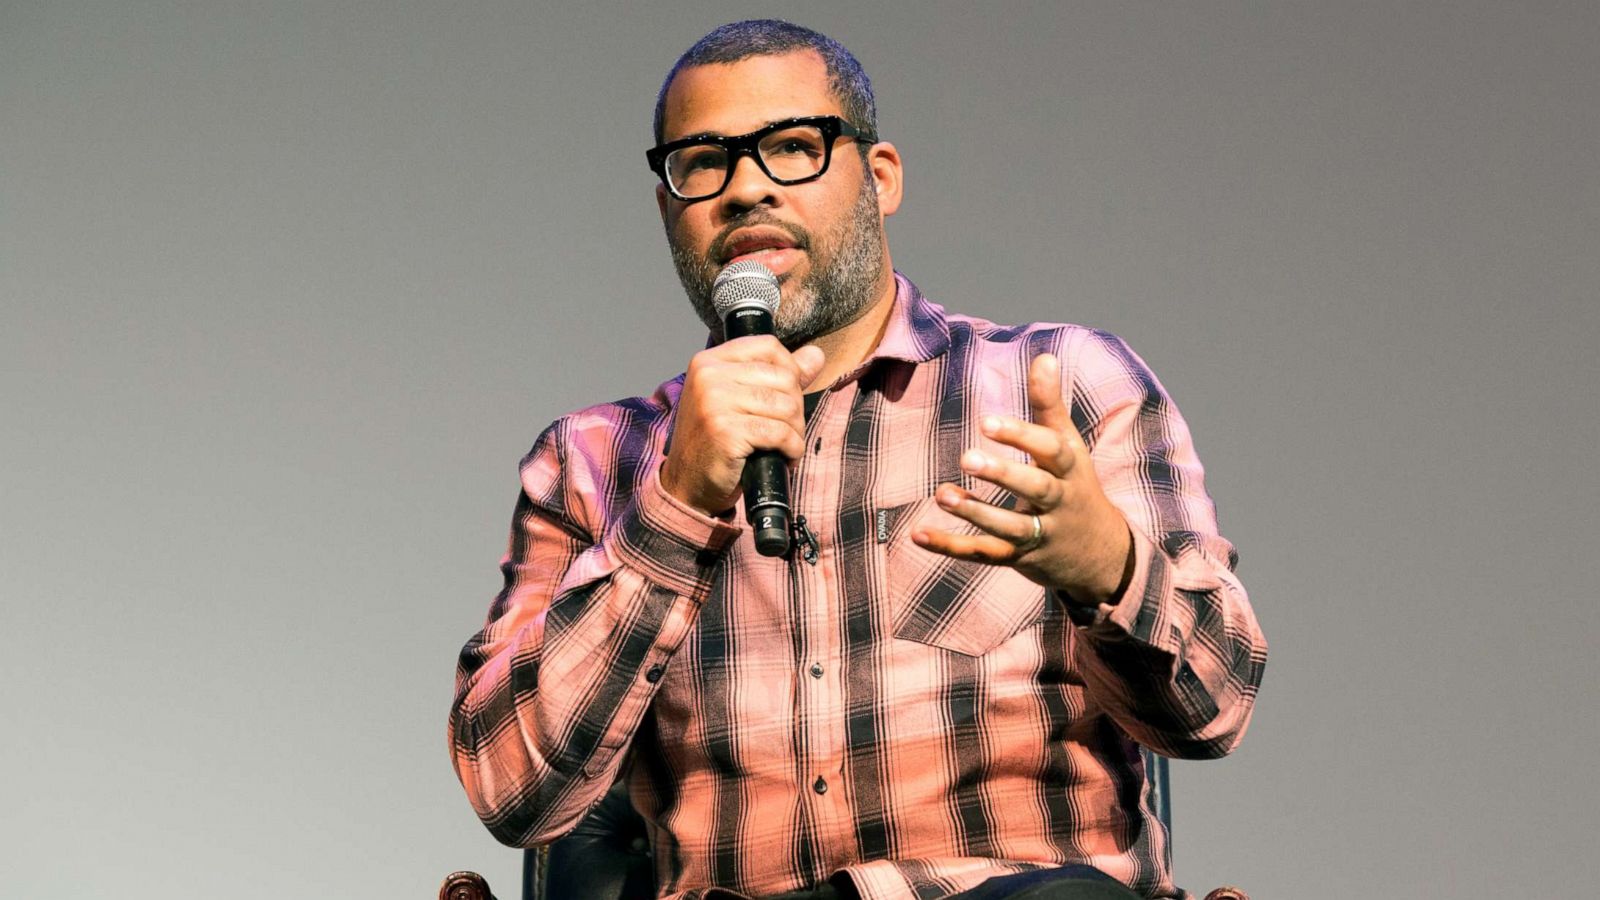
737, 41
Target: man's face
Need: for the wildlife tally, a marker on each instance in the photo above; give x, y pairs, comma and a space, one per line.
823, 239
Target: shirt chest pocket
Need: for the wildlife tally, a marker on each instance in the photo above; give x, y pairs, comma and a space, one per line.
965, 607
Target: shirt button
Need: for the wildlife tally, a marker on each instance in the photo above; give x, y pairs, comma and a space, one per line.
819, 785
654, 675
816, 670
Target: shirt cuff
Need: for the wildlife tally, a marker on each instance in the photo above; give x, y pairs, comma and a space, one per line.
1135, 615
669, 542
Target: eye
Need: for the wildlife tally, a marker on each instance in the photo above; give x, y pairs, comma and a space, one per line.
698, 159
793, 143
796, 147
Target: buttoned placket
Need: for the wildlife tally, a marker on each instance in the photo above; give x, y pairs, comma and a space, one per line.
820, 694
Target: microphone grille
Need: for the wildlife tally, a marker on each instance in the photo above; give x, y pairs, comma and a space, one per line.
744, 284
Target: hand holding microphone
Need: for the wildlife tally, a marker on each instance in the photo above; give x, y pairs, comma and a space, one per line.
741, 413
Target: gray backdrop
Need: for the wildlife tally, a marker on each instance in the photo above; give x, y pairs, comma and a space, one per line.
288, 288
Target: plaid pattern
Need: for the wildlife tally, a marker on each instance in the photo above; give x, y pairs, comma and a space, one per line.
923, 723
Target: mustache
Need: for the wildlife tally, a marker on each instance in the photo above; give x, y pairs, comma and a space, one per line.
719, 244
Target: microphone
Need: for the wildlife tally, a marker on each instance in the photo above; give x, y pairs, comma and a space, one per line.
746, 296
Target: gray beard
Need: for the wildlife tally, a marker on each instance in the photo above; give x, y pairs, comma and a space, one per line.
840, 287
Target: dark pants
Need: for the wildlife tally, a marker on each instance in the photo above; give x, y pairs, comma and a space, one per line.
1064, 883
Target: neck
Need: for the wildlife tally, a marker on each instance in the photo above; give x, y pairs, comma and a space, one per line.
846, 348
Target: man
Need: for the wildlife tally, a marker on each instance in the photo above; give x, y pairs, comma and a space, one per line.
1009, 574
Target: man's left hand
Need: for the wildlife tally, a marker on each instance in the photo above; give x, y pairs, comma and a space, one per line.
1064, 534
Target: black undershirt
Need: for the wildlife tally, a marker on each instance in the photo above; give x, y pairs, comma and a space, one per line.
812, 399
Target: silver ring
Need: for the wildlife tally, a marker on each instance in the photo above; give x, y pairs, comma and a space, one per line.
1033, 540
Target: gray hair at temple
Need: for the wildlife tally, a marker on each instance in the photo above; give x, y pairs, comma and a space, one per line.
736, 41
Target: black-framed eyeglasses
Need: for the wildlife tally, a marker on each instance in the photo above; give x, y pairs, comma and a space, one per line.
792, 151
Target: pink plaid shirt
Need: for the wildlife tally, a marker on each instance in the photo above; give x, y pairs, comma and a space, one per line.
921, 723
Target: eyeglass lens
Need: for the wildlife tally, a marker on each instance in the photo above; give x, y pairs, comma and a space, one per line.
793, 153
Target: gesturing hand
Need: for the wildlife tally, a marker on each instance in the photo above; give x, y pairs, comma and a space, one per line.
1064, 533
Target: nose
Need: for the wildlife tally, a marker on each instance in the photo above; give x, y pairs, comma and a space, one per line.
749, 186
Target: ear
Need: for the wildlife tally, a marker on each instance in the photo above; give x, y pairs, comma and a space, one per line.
888, 176
661, 201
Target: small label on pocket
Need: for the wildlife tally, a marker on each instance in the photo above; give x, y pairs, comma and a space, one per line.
883, 526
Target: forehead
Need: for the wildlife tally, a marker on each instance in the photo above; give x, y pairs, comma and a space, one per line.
736, 98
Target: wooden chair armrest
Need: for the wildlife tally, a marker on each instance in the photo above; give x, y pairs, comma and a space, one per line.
465, 886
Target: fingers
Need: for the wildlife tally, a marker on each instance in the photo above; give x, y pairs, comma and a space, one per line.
1045, 402
1049, 449
1051, 439
752, 368
736, 435
1040, 488
803, 364
975, 547
748, 434
1063, 516
759, 360
757, 366
810, 360
1014, 528
745, 395
770, 402
738, 397
749, 348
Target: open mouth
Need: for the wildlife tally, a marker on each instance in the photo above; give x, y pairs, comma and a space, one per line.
766, 245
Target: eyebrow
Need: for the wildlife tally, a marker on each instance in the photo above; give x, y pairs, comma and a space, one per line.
703, 135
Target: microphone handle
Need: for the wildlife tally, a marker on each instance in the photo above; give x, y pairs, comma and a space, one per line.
766, 472
766, 501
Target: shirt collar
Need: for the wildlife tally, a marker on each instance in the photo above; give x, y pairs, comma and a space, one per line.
916, 331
